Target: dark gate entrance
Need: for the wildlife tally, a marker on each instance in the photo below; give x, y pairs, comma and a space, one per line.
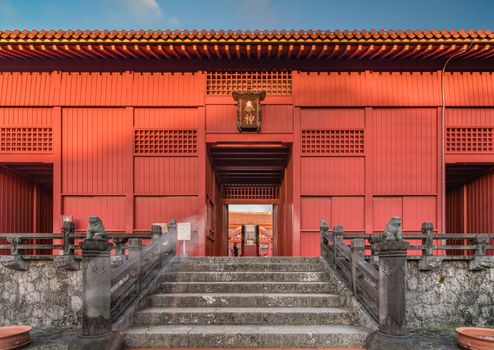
248, 174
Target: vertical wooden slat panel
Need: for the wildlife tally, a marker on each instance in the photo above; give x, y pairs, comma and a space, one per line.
94, 89
469, 117
326, 118
454, 211
26, 89
469, 88
345, 89
26, 117
111, 210
93, 150
313, 209
348, 212
416, 210
277, 119
221, 118
332, 175
168, 89
166, 118
403, 144
166, 175
16, 203
161, 209
480, 204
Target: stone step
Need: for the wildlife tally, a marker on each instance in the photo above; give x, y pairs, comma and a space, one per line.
253, 267
246, 287
246, 336
246, 260
245, 276
245, 315
245, 300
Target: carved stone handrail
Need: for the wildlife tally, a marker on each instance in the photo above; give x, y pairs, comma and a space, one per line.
143, 264
359, 275
381, 291
437, 247
110, 295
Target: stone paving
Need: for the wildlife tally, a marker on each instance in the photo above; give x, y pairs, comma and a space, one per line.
443, 339
52, 338
58, 339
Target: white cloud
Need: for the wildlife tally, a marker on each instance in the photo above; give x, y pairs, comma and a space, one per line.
256, 14
143, 9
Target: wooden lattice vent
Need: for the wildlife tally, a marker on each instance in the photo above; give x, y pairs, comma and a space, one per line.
251, 192
272, 82
26, 139
332, 142
471, 140
167, 142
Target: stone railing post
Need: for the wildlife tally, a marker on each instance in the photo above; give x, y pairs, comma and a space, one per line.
481, 260
96, 292
15, 260
392, 253
172, 230
428, 260
134, 250
357, 249
156, 233
338, 232
120, 247
323, 228
67, 261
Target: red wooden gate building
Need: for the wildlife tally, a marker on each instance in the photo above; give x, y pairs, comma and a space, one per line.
140, 127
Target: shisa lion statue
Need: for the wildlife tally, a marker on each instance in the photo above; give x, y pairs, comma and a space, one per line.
96, 230
392, 231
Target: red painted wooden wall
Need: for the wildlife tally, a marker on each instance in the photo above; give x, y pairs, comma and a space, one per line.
365, 146
16, 203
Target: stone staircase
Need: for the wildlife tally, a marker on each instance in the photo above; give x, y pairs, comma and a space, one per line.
221, 302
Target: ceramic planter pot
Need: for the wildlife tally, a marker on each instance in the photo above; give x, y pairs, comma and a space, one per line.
14, 337
476, 338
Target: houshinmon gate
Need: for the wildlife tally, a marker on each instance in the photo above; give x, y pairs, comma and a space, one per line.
140, 127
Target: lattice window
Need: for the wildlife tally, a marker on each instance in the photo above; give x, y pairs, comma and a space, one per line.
25, 139
251, 192
159, 141
469, 140
322, 142
273, 82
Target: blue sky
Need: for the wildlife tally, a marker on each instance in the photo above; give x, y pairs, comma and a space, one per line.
246, 14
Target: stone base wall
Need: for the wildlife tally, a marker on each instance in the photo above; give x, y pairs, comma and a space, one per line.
450, 295
42, 296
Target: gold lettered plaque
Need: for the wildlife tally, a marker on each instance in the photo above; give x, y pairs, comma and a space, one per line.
249, 110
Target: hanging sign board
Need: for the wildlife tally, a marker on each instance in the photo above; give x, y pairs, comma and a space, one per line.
249, 110
183, 231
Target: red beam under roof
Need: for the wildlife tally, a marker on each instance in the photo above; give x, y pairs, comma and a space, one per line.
188, 45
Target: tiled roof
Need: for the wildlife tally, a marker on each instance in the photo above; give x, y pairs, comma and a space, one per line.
310, 44
239, 35
259, 218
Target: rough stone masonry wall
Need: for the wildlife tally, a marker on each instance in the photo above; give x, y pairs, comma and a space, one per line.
42, 296
45, 296
450, 295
